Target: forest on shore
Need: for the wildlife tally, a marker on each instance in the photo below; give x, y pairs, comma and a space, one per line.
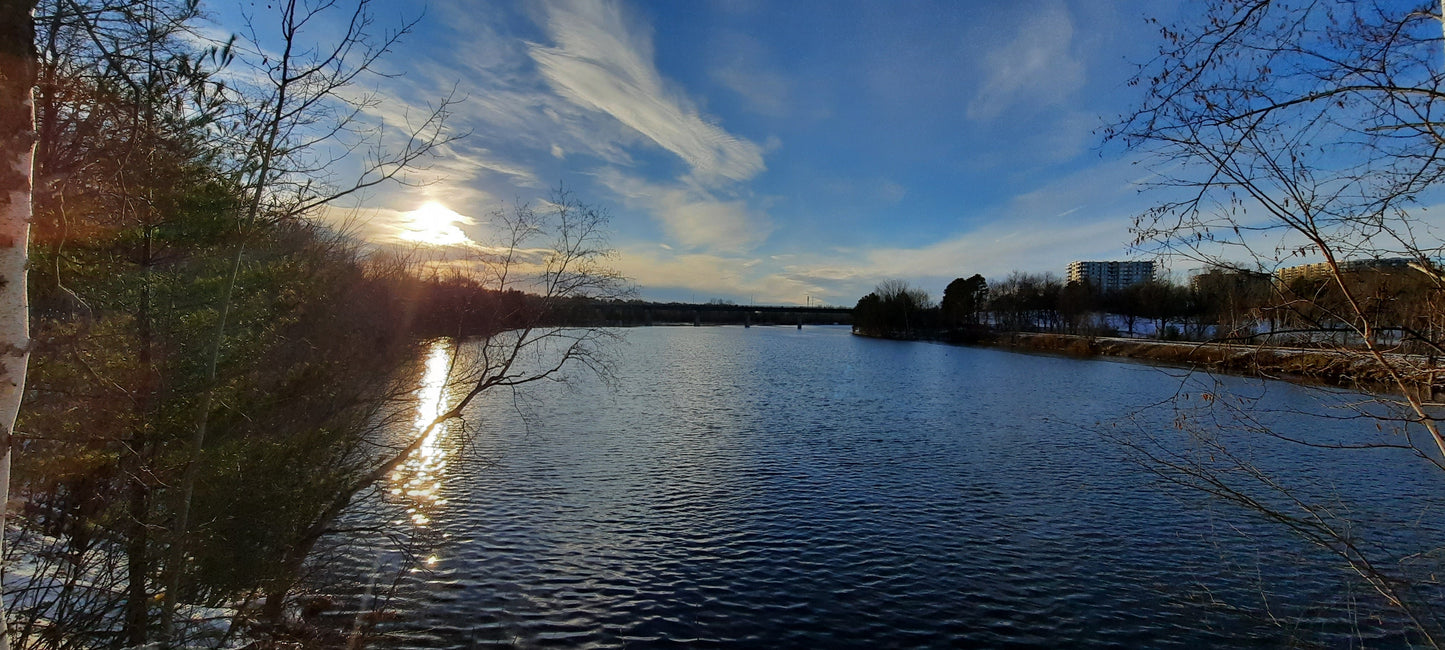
217, 373
1217, 305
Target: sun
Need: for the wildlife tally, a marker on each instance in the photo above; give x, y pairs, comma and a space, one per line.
435, 224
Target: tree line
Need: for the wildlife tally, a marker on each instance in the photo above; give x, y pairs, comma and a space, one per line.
1220, 304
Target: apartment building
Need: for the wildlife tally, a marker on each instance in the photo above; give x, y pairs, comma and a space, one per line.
1291, 273
1111, 276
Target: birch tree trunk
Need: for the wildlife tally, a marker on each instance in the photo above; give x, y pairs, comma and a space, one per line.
17, 142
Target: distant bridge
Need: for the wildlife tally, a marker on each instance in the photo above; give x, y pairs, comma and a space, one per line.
647, 313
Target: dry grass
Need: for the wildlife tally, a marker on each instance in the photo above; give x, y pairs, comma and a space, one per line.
1336, 367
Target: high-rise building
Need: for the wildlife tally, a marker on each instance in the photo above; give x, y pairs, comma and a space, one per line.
1111, 276
1217, 278
1320, 269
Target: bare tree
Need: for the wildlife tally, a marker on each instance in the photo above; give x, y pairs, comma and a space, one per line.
285, 136
548, 257
120, 92
1284, 131
894, 308
293, 130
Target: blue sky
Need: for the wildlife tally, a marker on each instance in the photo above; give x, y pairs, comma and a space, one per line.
781, 152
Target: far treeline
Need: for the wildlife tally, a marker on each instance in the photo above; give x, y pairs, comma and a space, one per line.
1220, 305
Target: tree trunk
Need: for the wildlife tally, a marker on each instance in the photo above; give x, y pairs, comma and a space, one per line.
17, 142
137, 601
138, 561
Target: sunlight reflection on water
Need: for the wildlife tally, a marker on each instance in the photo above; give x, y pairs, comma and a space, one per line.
419, 479
769, 487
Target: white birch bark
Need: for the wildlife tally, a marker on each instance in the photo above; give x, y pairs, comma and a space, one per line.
14, 329
17, 147
15, 214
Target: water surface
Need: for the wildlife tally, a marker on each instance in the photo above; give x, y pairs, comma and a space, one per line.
770, 487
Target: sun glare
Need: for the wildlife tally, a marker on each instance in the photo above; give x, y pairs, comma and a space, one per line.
435, 224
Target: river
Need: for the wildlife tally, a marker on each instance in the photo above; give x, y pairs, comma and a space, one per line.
775, 487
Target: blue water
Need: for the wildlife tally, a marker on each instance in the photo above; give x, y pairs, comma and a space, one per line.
770, 487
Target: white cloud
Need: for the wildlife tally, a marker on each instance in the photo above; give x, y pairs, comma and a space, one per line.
589, 95
690, 215
430, 225
505, 103
710, 276
1079, 216
1037, 67
434, 224
603, 63
455, 174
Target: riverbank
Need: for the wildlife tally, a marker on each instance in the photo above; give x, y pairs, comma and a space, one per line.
1348, 369
1344, 368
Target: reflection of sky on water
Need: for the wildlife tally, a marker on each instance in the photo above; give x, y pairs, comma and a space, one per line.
418, 481
727, 492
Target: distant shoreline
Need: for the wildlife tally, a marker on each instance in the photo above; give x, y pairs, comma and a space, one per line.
1346, 369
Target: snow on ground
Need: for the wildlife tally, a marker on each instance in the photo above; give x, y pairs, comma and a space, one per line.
51, 591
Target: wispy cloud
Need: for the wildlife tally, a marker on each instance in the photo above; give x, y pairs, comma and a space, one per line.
1078, 216
692, 216
1038, 66
428, 225
705, 276
572, 89
766, 92
587, 98
602, 62
740, 66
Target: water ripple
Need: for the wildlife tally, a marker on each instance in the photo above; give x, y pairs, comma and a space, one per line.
800, 489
